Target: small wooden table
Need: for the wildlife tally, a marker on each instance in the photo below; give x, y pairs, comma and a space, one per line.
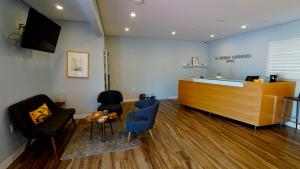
100, 119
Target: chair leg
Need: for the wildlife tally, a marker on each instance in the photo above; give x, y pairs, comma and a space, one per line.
111, 128
104, 131
54, 147
151, 133
28, 145
92, 126
73, 120
26, 150
129, 135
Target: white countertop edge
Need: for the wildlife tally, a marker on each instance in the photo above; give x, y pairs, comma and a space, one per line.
219, 82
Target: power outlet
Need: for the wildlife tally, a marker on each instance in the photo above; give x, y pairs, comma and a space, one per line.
11, 126
19, 24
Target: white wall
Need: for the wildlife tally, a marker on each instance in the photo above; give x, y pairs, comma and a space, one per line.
80, 93
254, 42
23, 73
154, 66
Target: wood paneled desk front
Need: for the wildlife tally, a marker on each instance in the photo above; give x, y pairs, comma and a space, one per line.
258, 104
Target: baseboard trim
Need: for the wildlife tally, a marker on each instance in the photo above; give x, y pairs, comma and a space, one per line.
291, 124
11, 158
172, 97
80, 116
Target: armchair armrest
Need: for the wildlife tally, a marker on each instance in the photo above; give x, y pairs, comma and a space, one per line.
143, 103
139, 104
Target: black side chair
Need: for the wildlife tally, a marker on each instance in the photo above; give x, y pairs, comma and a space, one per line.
297, 100
110, 100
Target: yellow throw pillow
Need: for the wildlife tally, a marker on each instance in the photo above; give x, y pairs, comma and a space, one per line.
40, 115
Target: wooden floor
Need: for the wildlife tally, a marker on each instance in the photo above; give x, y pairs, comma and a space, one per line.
185, 138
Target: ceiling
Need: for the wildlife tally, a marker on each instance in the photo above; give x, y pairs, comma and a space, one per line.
191, 19
194, 19
72, 9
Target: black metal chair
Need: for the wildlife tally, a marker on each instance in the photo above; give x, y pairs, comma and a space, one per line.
110, 100
296, 99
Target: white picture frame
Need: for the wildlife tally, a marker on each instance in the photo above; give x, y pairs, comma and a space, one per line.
77, 64
195, 61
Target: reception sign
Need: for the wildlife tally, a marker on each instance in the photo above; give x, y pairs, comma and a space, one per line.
231, 59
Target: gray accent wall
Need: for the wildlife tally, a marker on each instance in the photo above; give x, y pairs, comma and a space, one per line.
153, 66
23, 73
81, 93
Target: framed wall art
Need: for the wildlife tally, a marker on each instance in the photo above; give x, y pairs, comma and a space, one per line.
77, 64
195, 61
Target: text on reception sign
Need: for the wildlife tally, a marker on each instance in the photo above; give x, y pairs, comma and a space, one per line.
231, 59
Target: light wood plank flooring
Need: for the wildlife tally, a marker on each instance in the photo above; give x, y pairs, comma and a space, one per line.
183, 139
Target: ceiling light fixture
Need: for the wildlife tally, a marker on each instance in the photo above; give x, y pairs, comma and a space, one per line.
132, 14
59, 7
244, 26
127, 29
173, 33
212, 36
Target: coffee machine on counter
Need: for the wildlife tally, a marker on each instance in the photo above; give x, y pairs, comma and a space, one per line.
273, 78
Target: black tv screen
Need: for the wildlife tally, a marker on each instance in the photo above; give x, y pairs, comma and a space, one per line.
40, 32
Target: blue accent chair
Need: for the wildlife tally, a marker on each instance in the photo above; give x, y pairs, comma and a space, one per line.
142, 119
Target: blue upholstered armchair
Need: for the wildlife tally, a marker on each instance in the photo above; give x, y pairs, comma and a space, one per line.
142, 119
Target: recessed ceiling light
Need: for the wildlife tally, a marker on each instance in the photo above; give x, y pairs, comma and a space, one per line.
244, 26
59, 7
138, 2
173, 33
132, 14
212, 36
127, 29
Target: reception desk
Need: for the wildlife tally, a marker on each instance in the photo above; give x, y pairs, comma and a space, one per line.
258, 104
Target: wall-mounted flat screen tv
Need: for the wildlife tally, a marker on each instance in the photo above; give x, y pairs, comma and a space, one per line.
40, 32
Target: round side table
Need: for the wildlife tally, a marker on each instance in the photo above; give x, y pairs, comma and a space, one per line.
100, 119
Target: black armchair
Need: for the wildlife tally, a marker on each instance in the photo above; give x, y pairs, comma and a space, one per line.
19, 114
110, 100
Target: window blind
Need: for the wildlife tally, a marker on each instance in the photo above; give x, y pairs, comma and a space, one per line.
284, 59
